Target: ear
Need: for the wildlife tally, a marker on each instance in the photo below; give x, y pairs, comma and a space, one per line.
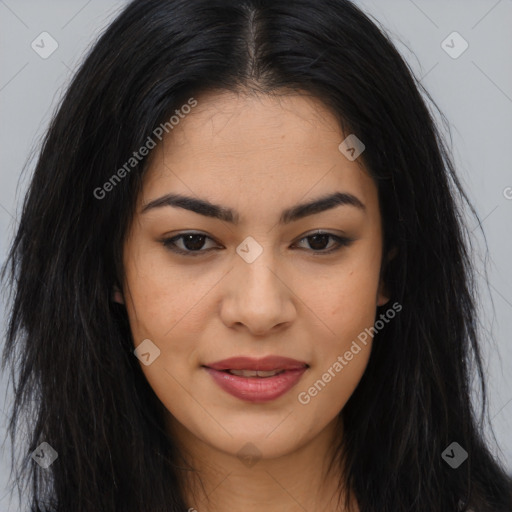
383, 295
117, 295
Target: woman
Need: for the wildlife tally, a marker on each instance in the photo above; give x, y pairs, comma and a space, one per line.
240, 277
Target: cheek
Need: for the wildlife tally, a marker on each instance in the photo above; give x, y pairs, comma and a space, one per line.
348, 304
157, 312
341, 355
161, 298
348, 299
351, 308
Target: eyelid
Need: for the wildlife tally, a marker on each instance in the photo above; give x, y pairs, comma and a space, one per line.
341, 241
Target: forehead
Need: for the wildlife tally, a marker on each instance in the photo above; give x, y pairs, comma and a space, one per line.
276, 149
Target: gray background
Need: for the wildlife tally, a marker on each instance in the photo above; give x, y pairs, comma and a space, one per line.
474, 91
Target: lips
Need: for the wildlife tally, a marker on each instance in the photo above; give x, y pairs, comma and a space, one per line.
256, 380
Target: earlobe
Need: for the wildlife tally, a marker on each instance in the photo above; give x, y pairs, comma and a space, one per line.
117, 295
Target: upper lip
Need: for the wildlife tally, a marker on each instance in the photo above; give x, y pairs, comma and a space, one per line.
267, 363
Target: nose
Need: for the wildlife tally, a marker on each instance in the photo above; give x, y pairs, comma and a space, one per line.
259, 296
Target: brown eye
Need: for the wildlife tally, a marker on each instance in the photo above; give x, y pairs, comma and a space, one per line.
192, 243
319, 241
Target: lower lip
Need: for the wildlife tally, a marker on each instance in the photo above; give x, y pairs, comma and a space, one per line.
256, 389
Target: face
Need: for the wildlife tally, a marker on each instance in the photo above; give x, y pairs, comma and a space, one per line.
256, 276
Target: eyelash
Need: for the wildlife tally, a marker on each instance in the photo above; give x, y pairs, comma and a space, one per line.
169, 243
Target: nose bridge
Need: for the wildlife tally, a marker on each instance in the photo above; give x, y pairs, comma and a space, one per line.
259, 299
256, 270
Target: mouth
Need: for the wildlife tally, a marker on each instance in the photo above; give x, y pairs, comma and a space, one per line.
264, 364
254, 373
257, 380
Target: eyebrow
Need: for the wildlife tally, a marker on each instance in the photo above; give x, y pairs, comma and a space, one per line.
299, 211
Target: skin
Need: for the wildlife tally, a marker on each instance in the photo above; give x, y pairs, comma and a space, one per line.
257, 155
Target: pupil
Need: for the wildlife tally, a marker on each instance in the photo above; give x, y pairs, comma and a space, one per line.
324, 237
192, 246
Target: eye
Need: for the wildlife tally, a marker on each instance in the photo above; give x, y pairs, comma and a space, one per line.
318, 240
193, 243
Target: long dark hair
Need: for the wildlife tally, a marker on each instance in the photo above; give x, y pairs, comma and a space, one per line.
70, 347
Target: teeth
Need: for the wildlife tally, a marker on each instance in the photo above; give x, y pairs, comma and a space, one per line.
255, 373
